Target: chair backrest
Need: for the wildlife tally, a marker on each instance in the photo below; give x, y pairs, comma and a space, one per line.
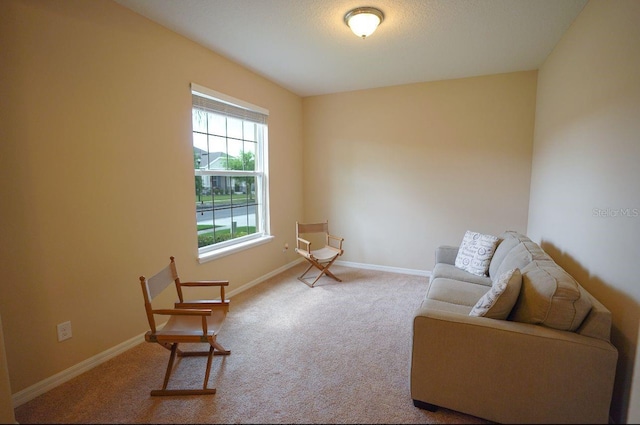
312, 232
312, 227
157, 283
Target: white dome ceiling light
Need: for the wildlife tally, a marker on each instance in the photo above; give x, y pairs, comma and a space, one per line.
363, 21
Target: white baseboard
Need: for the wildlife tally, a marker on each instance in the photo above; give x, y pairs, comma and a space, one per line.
45, 385
60, 378
425, 273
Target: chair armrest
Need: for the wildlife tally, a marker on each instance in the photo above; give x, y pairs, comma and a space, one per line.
183, 312
206, 283
202, 283
202, 304
307, 244
337, 239
446, 254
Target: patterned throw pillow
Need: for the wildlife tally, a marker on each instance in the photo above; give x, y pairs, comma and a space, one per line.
498, 302
475, 253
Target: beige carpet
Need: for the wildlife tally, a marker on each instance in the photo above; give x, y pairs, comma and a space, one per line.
336, 353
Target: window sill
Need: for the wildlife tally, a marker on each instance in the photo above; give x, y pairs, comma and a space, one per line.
222, 252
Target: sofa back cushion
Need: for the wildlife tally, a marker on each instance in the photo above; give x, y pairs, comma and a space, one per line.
452, 272
506, 243
520, 256
550, 297
597, 324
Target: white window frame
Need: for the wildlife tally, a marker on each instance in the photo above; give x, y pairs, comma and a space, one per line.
231, 246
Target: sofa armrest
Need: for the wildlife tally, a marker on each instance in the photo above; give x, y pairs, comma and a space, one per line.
510, 372
446, 254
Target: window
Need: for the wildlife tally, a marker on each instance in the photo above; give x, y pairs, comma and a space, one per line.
229, 158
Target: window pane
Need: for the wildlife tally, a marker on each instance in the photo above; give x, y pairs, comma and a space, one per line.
204, 211
220, 212
238, 197
217, 124
199, 120
217, 159
200, 142
244, 190
234, 128
224, 188
249, 131
235, 154
250, 156
197, 158
242, 225
222, 208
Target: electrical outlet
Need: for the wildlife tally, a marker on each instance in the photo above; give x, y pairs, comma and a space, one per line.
64, 331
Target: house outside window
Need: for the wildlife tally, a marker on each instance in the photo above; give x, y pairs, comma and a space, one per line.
230, 168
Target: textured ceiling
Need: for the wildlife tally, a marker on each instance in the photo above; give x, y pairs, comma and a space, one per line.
305, 46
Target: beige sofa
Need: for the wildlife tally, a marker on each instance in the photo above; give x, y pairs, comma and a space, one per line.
550, 361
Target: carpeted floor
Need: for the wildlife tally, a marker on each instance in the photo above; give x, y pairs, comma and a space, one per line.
335, 353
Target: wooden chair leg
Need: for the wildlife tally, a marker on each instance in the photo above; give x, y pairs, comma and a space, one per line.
302, 279
204, 391
306, 271
206, 375
172, 357
328, 272
220, 350
324, 269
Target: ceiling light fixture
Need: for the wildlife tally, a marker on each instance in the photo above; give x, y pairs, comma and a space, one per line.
363, 21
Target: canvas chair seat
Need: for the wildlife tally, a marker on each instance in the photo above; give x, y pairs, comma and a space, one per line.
187, 324
325, 254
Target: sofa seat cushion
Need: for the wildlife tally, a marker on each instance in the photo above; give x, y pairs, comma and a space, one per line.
450, 271
550, 297
455, 292
445, 306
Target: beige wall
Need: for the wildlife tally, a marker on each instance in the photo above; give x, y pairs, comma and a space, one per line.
585, 167
400, 170
96, 174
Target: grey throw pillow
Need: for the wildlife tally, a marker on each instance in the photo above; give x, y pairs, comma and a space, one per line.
498, 302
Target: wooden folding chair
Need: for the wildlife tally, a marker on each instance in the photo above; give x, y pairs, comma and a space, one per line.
193, 321
321, 258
